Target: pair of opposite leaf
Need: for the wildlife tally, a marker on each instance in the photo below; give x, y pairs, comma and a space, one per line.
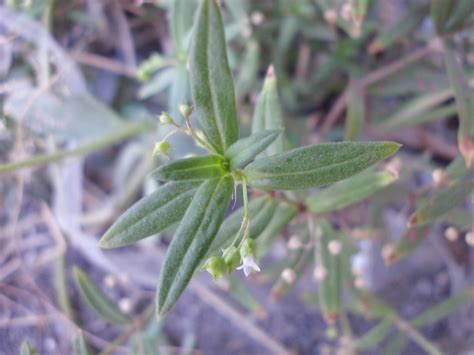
197, 190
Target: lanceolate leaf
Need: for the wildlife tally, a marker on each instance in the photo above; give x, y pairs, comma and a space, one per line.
441, 203
355, 111
195, 168
151, 214
440, 12
375, 335
316, 165
181, 15
460, 13
464, 96
192, 239
98, 301
211, 80
268, 113
349, 191
246, 149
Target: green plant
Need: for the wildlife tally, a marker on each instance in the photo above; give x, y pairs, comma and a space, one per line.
198, 189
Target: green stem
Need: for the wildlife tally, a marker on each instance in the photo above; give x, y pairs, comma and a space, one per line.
42, 159
413, 333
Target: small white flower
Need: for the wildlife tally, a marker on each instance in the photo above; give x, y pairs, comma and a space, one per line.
249, 265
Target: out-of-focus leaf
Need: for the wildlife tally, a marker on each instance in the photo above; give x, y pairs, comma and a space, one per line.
241, 293
151, 214
283, 215
296, 263
82, 119
159, 82
211, 80
268, 114
440, 203
80, 346
435, 313
98, 301
464, 96
349, 191
399, 30
192, 239
329, 288
316, 165
194, 168
407, 244
440, 12
419, 110
181, 20
355, 111
248, 73
375, 335
28, 349
43, 159
246, 149
460, 14
179, 92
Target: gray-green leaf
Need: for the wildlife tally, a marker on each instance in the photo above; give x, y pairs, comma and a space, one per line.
98, 301
192, 239
349, 191
316, 165
211, 80
246, 149
194, 168
268, 113
151, 214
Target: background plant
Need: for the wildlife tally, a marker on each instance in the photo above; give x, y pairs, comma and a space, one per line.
326, 56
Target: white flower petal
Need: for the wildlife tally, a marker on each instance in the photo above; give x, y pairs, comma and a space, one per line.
249, 266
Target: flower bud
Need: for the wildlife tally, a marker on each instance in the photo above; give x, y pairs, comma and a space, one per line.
161, 148
248, 248
216, 266
232, 258
165, 118
185, 110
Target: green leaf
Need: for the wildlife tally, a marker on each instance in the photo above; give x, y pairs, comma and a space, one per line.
462, 11
281, 217
181, 20
98, 301
409, 114
248, 72
432, 315
349, 191
150, 215
355, 111
211, 80
246, 149
192, 239
331, 284
464, 102
440, 12
80, 346
316, 165
268, 113
375, 335
194, 168
260, 210
28, 349
440, 203
407, 244
242, 294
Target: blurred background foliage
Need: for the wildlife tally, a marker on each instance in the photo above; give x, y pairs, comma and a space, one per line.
82, 84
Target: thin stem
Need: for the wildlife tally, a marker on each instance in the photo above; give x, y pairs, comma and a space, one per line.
193, 134
413, 333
